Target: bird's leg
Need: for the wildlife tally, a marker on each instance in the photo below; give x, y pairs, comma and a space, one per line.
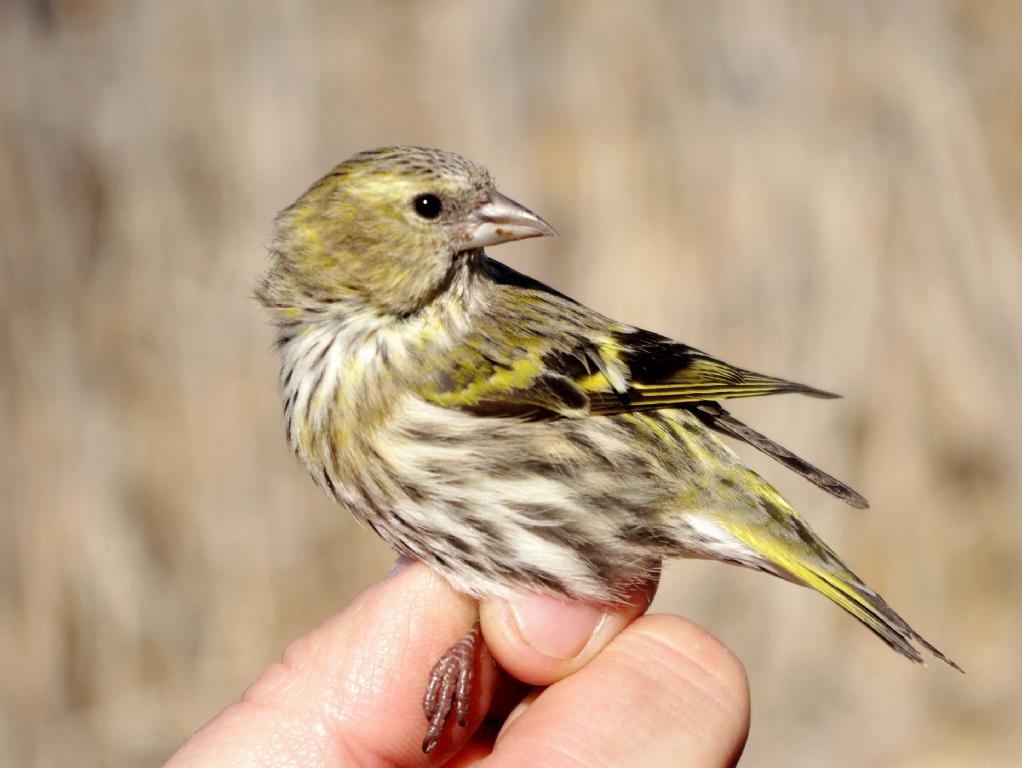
450, 683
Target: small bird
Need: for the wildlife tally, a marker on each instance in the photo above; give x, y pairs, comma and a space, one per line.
500, 431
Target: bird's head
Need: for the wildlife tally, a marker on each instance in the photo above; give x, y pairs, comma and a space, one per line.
386, 227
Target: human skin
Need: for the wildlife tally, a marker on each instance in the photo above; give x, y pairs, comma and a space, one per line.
606, 687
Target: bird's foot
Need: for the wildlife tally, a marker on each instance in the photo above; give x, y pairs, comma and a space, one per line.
450, 684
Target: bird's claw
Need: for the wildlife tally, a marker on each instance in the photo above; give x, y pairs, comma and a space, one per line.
450, 684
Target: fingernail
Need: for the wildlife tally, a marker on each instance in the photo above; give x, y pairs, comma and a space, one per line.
554, 627
399, 565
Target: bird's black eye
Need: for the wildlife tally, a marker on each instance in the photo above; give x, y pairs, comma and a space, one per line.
428, 206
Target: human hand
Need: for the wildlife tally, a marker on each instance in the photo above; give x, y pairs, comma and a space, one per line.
611, 688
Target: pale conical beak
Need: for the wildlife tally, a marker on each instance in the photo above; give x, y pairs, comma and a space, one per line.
499, 219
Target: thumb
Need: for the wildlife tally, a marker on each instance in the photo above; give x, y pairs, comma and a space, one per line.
541, 639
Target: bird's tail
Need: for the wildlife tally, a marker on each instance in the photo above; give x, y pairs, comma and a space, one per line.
847, 590
803, 556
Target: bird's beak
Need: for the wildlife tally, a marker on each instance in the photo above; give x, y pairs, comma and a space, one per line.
498, 219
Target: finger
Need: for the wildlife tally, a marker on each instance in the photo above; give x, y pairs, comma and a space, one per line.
664, 692
350, 691
541, 639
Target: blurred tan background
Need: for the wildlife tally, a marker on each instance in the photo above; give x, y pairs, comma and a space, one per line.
827, 191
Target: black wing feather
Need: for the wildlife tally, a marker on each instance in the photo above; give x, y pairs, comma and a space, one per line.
715, 417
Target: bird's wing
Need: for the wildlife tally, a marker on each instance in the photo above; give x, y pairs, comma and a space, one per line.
542, 379
661, 373
715, 417
619, 371
538, 350
550, 357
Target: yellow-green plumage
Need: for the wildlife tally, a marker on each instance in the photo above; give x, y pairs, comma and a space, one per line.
501, 432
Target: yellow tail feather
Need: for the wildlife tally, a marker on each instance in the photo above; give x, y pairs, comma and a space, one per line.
808, 560
847, 590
